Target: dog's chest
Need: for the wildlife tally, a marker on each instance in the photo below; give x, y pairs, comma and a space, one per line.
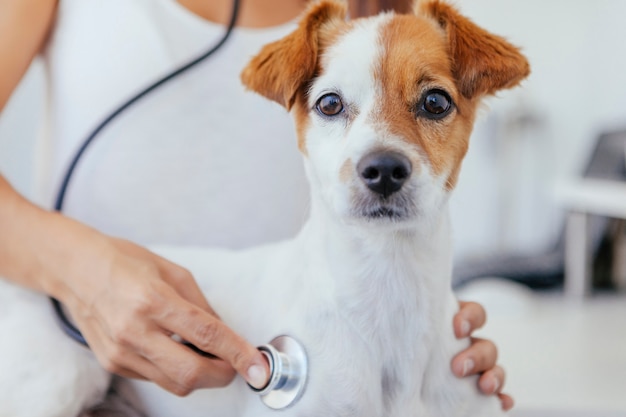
360, 366
347, 377
362, 360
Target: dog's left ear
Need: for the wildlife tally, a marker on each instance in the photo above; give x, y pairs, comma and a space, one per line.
282, 67
482, 63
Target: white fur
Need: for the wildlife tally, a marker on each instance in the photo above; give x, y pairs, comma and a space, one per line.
42, 372
370, 299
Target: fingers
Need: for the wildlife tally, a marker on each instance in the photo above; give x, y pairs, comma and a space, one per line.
491, 382
170, 314
481, 356
118, 360
506, 401
185, 368
471, 316
209, 334
154, 356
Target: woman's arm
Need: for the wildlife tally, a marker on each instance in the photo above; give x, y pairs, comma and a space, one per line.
121, 296
24, 26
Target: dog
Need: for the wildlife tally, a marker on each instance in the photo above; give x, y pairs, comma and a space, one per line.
383, 109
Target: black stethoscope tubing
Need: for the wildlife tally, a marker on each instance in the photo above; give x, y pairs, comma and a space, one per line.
67, 326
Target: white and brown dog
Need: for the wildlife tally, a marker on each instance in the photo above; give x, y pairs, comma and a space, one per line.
384, 107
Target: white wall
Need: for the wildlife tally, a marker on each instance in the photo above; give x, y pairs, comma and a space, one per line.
577, 49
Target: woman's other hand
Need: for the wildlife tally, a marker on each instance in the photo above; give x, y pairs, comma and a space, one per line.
481, 356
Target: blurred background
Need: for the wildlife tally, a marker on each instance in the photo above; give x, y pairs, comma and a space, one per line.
541, 201
539, 211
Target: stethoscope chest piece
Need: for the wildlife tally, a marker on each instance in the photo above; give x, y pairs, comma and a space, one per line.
288, 373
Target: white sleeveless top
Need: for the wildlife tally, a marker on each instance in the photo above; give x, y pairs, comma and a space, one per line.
198, 161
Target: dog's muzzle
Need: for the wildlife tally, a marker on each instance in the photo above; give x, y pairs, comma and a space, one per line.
288, 373
384, 172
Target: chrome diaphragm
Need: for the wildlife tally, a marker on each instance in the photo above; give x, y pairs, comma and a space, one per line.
288, 373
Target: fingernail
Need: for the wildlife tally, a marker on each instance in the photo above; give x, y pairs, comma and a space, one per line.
257, 376
468, 365
496, 384
465, 328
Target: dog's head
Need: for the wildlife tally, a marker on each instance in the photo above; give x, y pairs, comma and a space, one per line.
384, 106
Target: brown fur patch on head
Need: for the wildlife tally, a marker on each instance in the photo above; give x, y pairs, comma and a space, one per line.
284, 66
439, 49
482, 63
283, 69
415, 60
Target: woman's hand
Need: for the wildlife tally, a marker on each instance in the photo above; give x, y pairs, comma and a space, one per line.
481, 356
127, 301
140, 300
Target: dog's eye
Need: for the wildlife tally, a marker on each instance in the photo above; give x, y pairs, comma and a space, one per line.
329, 105
436, 104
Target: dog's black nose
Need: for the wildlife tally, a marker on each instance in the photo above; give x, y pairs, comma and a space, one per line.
384, 172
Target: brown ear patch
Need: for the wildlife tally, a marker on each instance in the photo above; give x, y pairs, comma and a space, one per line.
282, 67
482, 63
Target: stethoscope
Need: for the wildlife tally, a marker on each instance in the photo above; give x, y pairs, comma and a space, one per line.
286, 356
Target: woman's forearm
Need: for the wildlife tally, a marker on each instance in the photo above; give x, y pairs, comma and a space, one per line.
16, 263
38, 248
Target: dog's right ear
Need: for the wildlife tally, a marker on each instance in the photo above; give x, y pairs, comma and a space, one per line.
282, 67
482, 62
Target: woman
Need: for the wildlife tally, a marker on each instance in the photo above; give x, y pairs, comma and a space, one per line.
185, 165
